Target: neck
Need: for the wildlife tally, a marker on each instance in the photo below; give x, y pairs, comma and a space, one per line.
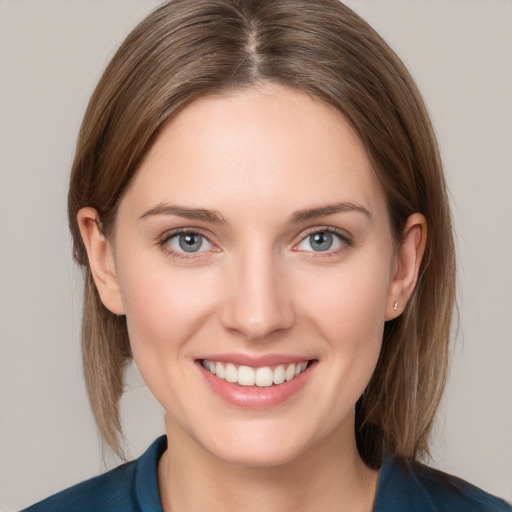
327, 477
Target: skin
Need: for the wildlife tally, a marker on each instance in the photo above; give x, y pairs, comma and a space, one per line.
257, 286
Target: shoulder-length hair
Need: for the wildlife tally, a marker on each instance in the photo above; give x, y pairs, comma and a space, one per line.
190, 48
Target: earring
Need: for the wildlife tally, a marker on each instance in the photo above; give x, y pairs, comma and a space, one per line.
395, 306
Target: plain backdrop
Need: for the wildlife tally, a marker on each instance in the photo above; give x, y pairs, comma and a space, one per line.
52, 52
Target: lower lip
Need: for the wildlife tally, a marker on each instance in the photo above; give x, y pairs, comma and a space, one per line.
254, 397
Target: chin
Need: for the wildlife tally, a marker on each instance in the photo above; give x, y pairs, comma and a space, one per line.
262, 446
256, 456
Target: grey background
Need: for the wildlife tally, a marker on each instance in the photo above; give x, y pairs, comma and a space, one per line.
51, 54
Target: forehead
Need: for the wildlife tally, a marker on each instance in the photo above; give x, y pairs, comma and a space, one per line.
270, 147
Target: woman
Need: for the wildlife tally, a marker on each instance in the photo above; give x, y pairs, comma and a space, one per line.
258, 205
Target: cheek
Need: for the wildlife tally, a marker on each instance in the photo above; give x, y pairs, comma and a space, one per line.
349, 314
164, 312
351, 303
163, 309
364, 308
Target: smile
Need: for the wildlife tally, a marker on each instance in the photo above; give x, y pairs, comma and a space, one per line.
264, 376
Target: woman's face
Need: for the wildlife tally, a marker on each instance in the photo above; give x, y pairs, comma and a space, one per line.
254, 241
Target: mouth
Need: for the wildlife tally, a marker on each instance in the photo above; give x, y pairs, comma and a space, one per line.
261, 377
256, 386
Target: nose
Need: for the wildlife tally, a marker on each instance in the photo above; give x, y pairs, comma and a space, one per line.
257, 301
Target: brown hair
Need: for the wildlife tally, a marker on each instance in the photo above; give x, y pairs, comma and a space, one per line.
189, 48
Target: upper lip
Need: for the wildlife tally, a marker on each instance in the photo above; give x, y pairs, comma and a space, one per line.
255, 360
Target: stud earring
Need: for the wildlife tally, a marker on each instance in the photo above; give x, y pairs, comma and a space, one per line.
395, 306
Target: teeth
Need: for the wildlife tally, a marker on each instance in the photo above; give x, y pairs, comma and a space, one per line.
289, 373
279, 374
231, 372
219, 370
246, 376
264, 377
261, 377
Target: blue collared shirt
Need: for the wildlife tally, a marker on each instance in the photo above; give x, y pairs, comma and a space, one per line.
403, 487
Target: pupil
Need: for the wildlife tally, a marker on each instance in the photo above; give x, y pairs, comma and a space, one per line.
321, 241
190, 242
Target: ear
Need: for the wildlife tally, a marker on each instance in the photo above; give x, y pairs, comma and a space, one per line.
101, 260
407, 265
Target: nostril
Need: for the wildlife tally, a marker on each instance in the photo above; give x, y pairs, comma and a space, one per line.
256, 319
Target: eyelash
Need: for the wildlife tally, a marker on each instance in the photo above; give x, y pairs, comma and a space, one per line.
164, 240
342, 236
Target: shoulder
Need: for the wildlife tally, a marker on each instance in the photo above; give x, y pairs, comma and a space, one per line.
131, 487
410, 486
110, 491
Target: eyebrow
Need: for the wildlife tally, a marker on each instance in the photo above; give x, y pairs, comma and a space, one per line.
215, 217
323, 211
188, 213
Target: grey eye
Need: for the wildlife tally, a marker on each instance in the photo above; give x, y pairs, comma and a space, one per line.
321, 241
190, 242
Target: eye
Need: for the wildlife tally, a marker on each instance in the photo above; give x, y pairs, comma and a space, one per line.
187, 242
322, 241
